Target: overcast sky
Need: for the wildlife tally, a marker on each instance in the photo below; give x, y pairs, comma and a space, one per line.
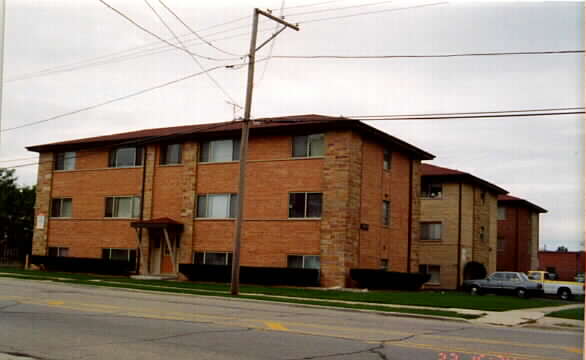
540, 159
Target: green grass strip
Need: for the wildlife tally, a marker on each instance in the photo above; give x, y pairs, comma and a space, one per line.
574, 314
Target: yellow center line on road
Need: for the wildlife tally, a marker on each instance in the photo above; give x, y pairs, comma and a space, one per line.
275, 326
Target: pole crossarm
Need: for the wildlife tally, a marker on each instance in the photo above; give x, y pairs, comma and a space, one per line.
279, 20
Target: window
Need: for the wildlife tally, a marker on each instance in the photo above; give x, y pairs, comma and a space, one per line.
482, 234
122, 207
305, 205
430, 189
219, 206
308, 145
61, 207
58, 251
501, 243
220, 150
431, 231
303, 261
433, 271
65, 160
386, 213
126, 157
387, 159
212, 258
384, 264
501, 213
119, 255
170, 154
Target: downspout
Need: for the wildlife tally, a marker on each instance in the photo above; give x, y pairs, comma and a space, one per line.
459, 260
141, 214
410, 216
516, 240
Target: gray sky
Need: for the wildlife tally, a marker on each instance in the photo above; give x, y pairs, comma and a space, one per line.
540, 159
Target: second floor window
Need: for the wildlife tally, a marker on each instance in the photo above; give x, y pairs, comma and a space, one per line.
387, 157
126, 157
65, 160
386, 213
431, 231
308, 145
122, 207
170, 154
431, 189
61, 207
218, 206
501, 213
220, 150
305, 205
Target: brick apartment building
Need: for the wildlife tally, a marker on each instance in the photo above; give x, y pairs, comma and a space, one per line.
458, 228
566, 264
321, 193
518, 234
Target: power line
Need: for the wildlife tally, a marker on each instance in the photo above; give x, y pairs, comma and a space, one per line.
342, 8
210, 77
90, 107
195, 32
271, 47
157, 36
375, 57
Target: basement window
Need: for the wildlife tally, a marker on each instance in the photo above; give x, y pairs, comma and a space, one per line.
65, 160
220, 150
303, 261
119, 254
308, 145
61, 208
217, 206
126, 157
433, 270
431, 231
170, 154
305, 205
122, 207
212, 258
58, 251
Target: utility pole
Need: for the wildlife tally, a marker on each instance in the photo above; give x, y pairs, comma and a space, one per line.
235, 285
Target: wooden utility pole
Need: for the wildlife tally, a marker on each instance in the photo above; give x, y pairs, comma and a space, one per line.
235, 285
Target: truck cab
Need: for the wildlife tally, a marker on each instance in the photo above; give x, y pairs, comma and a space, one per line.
564, 289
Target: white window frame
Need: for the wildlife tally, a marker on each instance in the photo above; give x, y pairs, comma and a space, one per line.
138, 161
61, 200
210, 151
230, 211
305, 210
134, 207
308, 151
422, 223
68, 160
227, 254
303, 261
60, 250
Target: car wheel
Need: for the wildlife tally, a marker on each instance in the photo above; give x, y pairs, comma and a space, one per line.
475, 290
522, 293
565, 294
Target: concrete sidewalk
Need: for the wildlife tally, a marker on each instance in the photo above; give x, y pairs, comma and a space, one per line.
530, 316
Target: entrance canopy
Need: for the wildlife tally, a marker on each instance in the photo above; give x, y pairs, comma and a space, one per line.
159, 223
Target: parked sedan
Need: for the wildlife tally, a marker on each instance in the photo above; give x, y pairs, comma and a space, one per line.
505, 282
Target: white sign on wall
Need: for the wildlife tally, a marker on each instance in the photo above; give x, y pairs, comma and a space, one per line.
40, 221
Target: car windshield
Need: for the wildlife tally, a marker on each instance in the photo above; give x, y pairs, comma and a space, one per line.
534, 276
525, 278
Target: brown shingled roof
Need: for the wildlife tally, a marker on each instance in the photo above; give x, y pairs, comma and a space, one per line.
428, 170
280, 125
513, 200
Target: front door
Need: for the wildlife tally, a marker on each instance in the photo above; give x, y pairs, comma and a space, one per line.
160, 256
156, 252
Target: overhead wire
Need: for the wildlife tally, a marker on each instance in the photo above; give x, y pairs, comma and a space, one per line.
423, 56
271, 47
197, 62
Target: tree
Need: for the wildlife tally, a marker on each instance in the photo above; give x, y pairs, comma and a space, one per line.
16, 213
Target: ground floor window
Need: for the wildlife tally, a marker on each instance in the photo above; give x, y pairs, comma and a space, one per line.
433, 270
58, 251
303, 261
212, 258
431, 231
119, 254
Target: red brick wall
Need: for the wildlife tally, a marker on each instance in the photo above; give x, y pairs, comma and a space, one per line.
566, 264
516, 231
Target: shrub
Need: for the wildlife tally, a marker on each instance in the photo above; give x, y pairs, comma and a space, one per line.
84, 265
252, 275
381, 279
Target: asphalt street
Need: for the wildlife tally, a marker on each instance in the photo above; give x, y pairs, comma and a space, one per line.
44, 320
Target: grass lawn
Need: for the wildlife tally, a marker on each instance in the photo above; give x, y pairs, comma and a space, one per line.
370, 299
575, 314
